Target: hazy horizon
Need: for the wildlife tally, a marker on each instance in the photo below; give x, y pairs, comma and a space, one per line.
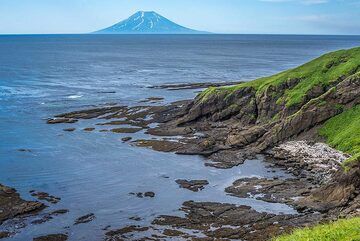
300, 17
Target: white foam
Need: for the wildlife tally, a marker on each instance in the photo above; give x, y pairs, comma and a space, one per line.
74, 96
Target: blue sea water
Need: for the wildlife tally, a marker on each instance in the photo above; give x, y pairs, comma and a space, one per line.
43, 75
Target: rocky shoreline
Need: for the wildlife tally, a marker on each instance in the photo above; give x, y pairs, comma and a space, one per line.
200, 85
228, 126
316, 191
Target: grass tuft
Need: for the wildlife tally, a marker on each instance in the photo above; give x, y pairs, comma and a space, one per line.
341, 230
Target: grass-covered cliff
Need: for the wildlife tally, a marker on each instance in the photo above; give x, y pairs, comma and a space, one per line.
323, 92
318, 73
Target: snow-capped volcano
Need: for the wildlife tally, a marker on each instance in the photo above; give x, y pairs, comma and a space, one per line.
147, 22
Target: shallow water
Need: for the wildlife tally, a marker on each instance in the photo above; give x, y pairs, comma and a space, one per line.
93, 172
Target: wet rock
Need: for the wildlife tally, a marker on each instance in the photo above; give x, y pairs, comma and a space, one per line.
160, 145
149, 194
60, 211
340, 195
194, 85
152, 99
24, 150
170, 130
228, 221
52, 237
192, 185
69, 129
125, 139
107, 92
141, 195
136, 123
173, 232
226, 159
135, 218
45, 196
116, 122
5, 235
270, 190
85, 219
11, 205
125, 230
61, 120
49, 216
87, 114
106, 227
89, 129
126, 130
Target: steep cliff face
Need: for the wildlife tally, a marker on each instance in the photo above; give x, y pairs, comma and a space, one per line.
283, 93
277, 108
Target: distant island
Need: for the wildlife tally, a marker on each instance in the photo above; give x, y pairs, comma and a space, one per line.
147, 23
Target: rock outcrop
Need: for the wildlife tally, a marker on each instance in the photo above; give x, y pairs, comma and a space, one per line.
11, 205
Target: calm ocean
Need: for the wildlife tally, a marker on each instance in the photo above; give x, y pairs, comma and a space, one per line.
43, 75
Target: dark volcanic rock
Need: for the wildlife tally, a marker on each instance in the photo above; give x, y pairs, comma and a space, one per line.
220, 220
85, 219
194, 85
173, 233
125, 139
152, 99
160, 145
277, 191
69, 129
141, 195
341, 191
89, 129
4, 235
86, 114
48, 216
135, 218
24, 150
45, 196
118, 234
226, 159
52, 237
11, 205
61, 120
192, 185
126, 130
149, 194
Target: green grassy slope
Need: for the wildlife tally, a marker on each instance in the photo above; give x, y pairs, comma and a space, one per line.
318, 72
341, 230
343, 133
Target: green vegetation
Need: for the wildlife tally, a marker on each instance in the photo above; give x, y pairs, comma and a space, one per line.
208, 92
318, 72
343, 133
341, 230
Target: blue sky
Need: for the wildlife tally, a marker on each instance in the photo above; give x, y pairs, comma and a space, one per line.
220, 16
